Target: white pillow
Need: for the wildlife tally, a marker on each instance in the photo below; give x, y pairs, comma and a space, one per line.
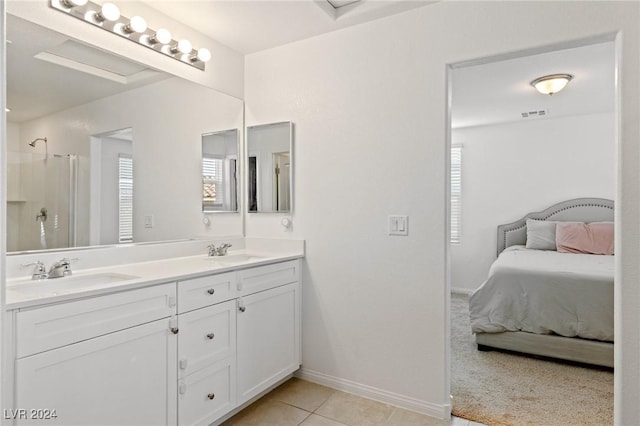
541, 234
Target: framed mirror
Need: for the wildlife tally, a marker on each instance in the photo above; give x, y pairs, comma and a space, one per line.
103, 150
220, 171
270, 168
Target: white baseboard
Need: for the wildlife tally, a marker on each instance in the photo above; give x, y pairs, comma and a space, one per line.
460, 290
434, 410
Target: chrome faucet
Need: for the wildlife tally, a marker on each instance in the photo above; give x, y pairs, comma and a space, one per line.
39, 270
61, 268
218, 251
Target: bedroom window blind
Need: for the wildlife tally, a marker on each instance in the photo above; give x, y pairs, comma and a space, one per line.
212, 181
125, 198
456, 193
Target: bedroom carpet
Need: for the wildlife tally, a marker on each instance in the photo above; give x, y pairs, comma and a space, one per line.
498, 388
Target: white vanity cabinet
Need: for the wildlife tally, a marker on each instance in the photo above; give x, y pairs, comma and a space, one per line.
103, 360
187, 352
268, 326
206, 348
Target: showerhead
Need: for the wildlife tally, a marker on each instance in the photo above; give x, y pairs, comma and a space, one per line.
33, 142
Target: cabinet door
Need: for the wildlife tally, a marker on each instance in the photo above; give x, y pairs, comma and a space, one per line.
207, 394
206, 335
124, 378
268, 339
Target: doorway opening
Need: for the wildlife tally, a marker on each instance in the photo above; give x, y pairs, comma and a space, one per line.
513, 151
112, 183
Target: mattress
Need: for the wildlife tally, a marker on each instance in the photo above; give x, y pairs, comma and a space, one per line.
546, 292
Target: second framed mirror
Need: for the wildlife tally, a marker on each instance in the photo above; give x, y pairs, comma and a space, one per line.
270, 168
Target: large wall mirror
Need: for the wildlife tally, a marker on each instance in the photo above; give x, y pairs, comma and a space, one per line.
269, 168
220, 171
102, 149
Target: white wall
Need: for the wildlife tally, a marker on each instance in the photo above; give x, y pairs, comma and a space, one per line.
168, 119
512, 169
369, 107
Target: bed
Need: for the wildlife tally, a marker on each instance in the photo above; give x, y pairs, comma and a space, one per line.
544, 302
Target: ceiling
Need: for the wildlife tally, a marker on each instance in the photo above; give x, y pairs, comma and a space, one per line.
499, 92
42, 64
249, 26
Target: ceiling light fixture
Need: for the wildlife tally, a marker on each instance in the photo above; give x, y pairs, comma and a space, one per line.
107, 16
550, 84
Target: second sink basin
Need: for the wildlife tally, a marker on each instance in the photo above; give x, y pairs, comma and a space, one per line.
65, 285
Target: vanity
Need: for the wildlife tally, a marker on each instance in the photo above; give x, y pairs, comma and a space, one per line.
176, 341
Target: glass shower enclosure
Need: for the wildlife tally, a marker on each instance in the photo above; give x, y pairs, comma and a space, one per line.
41, 201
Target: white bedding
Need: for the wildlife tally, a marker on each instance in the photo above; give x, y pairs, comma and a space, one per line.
546, 292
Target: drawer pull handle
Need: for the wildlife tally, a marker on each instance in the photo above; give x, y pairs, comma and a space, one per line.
242, 308
211, 290
211, 395
210, 336
175, 330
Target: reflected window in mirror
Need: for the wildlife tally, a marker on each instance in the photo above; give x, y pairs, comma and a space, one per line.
269, 168
125, 198
220, 171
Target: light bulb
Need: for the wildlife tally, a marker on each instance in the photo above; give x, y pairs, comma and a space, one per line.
161, 36
184, 46
203, 54
137, 24
74, 3
108, 12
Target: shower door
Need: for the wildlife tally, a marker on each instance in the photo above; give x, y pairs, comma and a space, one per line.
41, 201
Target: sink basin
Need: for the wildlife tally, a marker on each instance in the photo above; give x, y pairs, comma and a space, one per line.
234, 259
66, 285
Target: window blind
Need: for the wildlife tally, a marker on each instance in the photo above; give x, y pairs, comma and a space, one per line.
456, 193
212, 181
125, 198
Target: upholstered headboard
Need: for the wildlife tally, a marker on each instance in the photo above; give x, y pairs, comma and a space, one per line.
576, 210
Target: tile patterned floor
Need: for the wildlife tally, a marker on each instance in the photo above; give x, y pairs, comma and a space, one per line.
298, 402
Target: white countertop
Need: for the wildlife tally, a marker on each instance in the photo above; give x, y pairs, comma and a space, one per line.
24, 292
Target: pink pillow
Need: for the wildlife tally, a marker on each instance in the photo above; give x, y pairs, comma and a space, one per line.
589, 238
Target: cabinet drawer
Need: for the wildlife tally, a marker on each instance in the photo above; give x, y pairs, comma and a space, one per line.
208, 394
266, 277
41, 329
206, 335
199, 292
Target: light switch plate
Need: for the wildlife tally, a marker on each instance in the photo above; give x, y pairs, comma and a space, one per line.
398, 225
148, 221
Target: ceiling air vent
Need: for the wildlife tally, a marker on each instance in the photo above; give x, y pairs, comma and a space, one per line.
535, 113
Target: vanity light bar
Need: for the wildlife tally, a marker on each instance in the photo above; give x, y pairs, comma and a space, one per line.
107, 16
